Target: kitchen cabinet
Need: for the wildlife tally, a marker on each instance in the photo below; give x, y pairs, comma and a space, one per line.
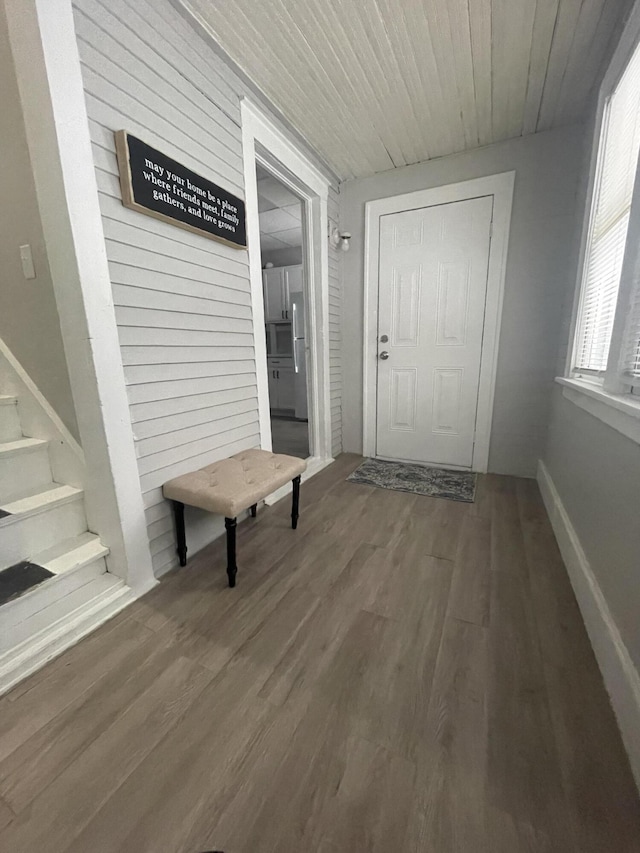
281, 376
279, 340
278, 285
275, 298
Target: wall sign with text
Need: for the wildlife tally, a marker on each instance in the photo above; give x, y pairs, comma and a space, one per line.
154, 184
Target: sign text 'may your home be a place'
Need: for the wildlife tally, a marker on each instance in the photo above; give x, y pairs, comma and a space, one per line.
154, 184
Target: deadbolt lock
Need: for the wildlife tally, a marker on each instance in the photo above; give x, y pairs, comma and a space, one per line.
384, 339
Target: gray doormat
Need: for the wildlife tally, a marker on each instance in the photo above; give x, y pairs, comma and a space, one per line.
404, 477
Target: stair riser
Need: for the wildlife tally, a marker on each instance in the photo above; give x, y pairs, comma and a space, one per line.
10, 429
46, 603
24, 537
23, 472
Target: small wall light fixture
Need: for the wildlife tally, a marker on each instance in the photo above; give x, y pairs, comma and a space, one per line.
340, 239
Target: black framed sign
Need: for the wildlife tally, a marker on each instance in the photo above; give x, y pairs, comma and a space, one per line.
154, 184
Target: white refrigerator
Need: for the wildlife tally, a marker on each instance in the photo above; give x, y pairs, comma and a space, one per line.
299, 354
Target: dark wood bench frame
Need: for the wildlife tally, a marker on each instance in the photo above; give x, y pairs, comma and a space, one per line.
230, 526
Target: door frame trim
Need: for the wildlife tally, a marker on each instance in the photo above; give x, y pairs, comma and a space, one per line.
501, 187
267, 144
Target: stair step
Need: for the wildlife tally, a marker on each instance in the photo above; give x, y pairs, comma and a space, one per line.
31, 523
7, 400
71, 554
9, 449
37, 501
20, 578
39, 625
24, 464
81, 552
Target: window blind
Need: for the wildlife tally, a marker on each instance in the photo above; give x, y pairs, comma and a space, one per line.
630, 356
618, 158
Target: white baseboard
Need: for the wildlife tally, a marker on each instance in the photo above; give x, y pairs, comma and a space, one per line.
106, 597
621, 677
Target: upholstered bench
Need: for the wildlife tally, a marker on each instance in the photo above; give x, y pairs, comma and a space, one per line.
230, 486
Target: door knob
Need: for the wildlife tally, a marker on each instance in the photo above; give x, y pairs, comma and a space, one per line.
384, 355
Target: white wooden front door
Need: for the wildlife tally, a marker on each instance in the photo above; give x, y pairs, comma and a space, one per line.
433, 269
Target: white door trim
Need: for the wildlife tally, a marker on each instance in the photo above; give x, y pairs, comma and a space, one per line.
501, 188
264, 142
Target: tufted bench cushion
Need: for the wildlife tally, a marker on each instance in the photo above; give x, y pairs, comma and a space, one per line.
232, 485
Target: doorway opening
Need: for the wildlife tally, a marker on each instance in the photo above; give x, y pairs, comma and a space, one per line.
270, 147
284, 280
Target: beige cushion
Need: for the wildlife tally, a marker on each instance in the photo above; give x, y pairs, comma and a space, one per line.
231, 485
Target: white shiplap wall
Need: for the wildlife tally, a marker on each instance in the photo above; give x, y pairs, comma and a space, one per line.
183, 302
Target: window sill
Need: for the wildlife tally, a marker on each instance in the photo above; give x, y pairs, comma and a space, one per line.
616, 410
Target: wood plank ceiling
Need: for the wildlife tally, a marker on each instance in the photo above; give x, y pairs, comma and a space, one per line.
375, 84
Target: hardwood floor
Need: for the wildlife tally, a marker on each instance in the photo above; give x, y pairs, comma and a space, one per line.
400, 674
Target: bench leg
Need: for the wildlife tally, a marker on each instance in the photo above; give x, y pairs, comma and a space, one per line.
178, 512
295, 503
254, 510
230, 525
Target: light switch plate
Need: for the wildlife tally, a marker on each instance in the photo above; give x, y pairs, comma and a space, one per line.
27, 261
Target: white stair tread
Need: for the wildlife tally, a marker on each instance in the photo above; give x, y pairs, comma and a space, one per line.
39, 499
6, 400
23, 445
71, 554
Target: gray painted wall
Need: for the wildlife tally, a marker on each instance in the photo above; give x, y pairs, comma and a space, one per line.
596, 471
538, 267
29, 322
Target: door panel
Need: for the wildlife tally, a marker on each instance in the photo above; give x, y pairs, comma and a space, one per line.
405, 307
447, 398
453, 303
404, 385
433, 281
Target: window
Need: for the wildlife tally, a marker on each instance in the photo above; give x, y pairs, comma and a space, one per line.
600, 314
630, 355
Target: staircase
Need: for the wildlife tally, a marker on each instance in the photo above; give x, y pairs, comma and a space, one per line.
51, 566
